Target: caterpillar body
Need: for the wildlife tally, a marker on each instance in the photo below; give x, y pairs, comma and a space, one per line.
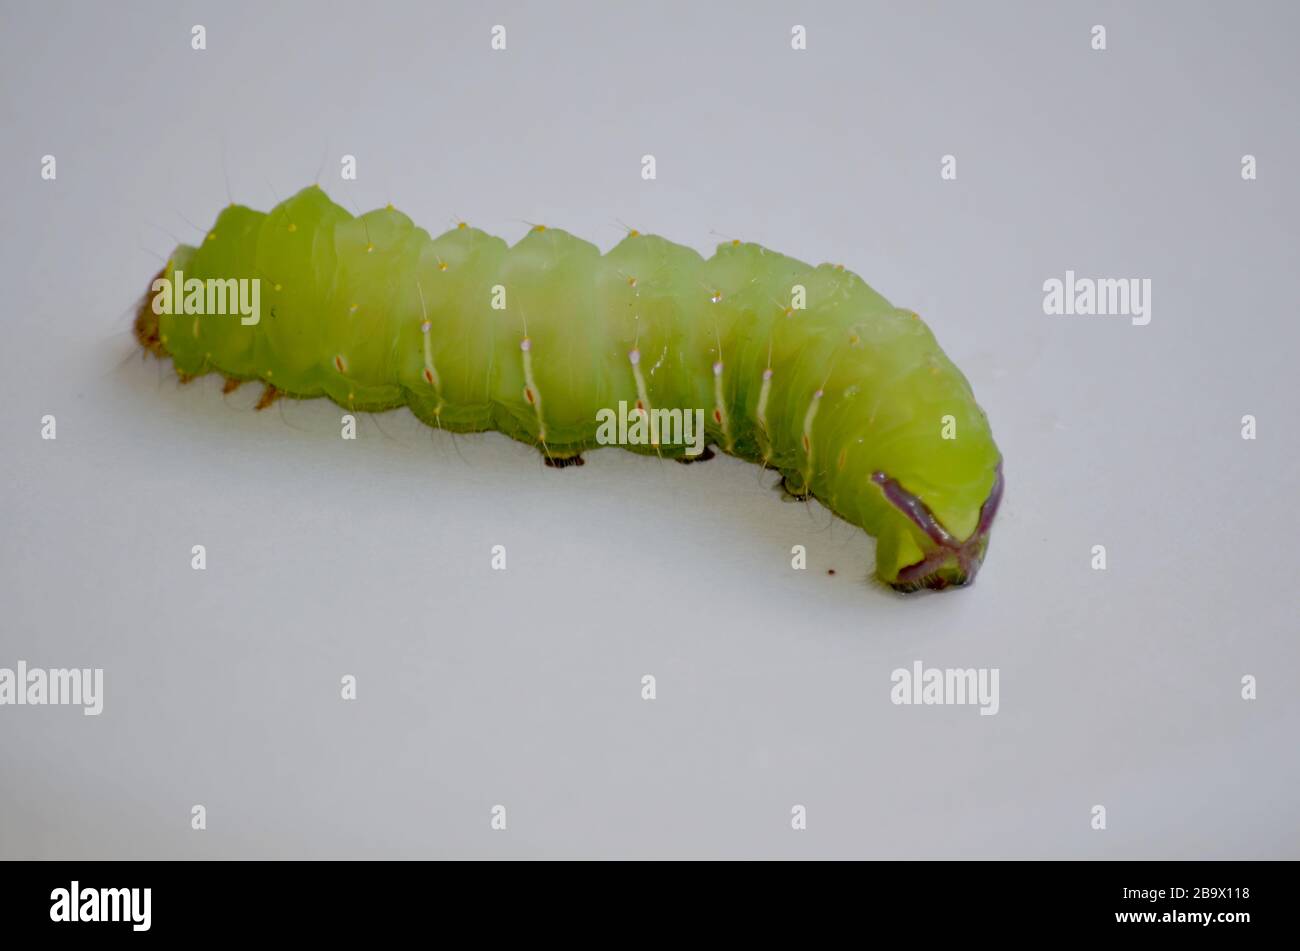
802, 369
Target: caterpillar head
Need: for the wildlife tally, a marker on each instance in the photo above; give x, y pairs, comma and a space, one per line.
916, 550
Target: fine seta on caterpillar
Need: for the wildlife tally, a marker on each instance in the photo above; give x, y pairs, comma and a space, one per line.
806, 370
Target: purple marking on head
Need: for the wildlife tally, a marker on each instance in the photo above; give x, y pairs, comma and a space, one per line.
967, 553
913, 508
990, 507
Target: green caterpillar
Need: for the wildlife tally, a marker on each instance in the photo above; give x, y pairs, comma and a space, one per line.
805, 370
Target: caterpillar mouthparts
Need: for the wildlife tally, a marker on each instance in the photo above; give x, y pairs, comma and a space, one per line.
649, 346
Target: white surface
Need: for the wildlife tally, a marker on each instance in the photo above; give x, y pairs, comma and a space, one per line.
522, 687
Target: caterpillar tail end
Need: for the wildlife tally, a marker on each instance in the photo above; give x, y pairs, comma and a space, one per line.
146, 323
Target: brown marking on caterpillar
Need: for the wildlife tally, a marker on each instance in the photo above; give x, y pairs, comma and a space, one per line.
704, 456
230, 385
146, 323
563, 462
269, 396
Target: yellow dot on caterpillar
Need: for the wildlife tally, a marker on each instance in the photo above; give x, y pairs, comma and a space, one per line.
389, 206
462, 226
442, 265
277, 287
735, 242
634, 233
717, 296
539, 227
631, 282
369, 248
212, 236
789, 311
292, 227
163, 338
340, 364
354, 308
525, 345
854, 340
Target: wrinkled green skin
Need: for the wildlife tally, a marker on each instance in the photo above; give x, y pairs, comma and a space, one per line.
351, 286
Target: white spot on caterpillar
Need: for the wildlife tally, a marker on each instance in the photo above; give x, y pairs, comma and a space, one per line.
716, 297
199, 817
648, 168
807, 439
198, 37
49, 169
1248, 687
498, 557
798, 37
348, 685
719, 407
349, 426
531, 393
1248, 427
642, 395
1247, 168
800, 560
348, 168
49, 427
948, 168
648, 687
200, 560
1099, 38
760, 412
